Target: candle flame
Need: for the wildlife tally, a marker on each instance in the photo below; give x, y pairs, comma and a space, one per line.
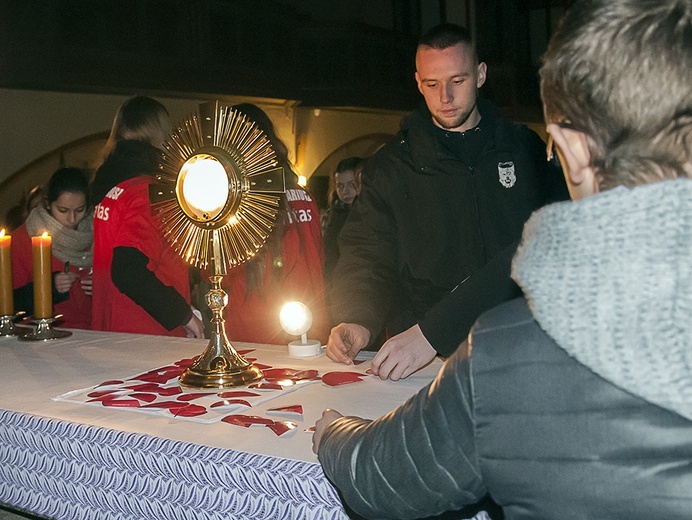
45, 234
2, 233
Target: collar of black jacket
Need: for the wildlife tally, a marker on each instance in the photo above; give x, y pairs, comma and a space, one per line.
420, 134
128, 159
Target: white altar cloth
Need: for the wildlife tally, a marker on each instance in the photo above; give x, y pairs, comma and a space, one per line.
76, 461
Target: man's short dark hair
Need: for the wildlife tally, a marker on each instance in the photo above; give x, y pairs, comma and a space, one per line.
447, 35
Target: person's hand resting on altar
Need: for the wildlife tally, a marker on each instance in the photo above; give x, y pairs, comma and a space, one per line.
328, 417
402, 355
195, 327
399, 357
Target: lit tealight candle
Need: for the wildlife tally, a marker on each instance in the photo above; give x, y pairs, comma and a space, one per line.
296, 319
6, 299
43, 286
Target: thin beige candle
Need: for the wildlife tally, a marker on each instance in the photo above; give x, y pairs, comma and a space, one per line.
43, 287
6, 298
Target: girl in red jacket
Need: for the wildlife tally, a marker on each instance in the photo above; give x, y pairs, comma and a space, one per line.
64, 214
287, 268
140, 284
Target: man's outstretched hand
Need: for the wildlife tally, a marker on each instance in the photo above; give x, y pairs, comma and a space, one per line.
345, 341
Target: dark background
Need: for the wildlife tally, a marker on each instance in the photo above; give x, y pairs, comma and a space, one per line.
319, 52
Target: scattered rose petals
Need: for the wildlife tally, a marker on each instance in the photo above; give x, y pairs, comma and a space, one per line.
282, 427
358, 361
369, 371
341, 378
246, 420
230, 402
237, 393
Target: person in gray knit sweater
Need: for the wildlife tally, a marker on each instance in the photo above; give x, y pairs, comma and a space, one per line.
575, 401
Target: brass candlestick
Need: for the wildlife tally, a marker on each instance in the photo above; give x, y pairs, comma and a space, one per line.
8, 327
44, 331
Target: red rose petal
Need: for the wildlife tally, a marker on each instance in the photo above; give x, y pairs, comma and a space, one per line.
170, 390
341, 378
141, 396
358, 361
246, 420
103, 392
193, 396
185, 363
292, 408
237, 393
369, 371
191, 410
169, 405
281, 427
289, 375
310, 429
230, 402
245, 351
266, 386
144, 387
111, 382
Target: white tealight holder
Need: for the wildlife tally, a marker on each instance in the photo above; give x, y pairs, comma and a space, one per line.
296, 319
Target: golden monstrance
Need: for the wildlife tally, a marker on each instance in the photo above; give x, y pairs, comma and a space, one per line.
217, 197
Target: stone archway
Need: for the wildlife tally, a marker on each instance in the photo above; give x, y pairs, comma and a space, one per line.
363, 146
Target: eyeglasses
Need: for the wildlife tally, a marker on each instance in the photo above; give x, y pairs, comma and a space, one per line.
550, 148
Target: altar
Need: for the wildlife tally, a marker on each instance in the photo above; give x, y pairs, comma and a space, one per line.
65, 459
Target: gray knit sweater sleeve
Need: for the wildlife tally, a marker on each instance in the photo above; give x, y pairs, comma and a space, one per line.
418, 460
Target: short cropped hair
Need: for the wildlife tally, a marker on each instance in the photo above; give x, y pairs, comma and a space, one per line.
447, 35
619, 71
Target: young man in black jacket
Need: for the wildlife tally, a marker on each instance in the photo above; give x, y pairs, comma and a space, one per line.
574, 402
442, 207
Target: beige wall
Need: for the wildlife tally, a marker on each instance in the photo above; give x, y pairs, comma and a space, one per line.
42, 130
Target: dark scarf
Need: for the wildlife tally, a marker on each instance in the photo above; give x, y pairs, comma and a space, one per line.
128, 159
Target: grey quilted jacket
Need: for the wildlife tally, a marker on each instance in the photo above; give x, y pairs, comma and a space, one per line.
574, 405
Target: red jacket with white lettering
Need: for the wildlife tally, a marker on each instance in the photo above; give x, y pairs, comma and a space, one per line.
255, 318
123, 218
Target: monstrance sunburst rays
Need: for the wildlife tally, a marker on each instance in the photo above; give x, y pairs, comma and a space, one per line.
244, 214
217, 197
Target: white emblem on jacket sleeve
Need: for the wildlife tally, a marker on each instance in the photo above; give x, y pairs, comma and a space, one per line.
506, 171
